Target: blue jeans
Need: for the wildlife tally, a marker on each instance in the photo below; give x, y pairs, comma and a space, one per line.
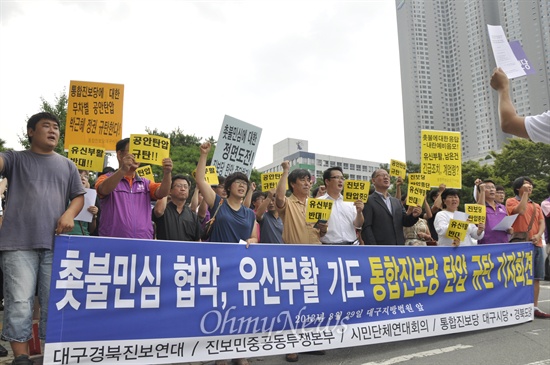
26, 273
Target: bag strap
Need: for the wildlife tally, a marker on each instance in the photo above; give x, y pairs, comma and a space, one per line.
532, 217
218, 208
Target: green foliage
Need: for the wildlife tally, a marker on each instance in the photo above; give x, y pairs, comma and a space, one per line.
2, 148
59, 109
521, 157
255, 177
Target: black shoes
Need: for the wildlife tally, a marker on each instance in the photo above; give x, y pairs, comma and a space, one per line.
3, 351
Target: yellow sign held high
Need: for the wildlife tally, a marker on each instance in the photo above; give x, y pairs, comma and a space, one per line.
318, 209
457, 229
477, 212
416, 195
87, 157
270, 180
146, 172
398, 169
356, 189
94, 114
210, 175
149, 148
441, 158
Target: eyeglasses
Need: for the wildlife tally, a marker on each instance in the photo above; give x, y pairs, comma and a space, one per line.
383, 175
338, 178
500, 192
240, 182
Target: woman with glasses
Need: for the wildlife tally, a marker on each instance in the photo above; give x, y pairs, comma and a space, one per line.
233, 221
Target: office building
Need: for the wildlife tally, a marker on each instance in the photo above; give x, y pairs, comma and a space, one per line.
446, 66
296, 151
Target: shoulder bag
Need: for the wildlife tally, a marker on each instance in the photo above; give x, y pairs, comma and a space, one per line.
208, 226
524, 236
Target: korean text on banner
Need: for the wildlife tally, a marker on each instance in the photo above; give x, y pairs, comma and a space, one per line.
318, 209
441, 158
210, 175
503, 53
236, 147
94, 114
416, 195
149, 148
162, 302
270, 180
457, 230
146, 172
398, 169
476, 212
87, 157
420, 180
356, 189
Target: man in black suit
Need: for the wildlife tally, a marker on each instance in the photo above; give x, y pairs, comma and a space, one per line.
384, 215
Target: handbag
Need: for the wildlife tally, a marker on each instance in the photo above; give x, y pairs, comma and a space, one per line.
524, 236
208, 226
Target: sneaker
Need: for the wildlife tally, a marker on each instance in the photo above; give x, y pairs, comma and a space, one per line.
541, 314
22, 360
3, 351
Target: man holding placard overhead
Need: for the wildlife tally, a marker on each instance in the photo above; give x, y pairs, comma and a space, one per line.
125, 197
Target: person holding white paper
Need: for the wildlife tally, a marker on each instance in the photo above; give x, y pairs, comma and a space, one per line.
81, 227
534, 127
451, 200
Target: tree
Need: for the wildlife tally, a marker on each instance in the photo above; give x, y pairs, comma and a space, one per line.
59, 109
521, 157
2, 148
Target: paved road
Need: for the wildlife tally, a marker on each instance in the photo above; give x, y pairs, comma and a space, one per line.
524, 344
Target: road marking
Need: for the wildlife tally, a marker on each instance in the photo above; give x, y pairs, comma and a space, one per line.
403, 358
542, 362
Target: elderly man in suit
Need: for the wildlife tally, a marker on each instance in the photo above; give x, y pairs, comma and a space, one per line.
384, 215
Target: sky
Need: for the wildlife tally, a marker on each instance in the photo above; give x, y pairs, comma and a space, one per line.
323, 71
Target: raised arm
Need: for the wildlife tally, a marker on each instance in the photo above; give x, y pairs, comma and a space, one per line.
208, 195
160, 207
166, 183
510, 122
280, 195
263, 207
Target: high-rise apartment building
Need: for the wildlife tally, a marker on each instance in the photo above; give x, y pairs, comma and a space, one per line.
447, 62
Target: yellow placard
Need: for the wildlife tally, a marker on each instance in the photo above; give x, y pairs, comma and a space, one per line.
210, 175
477, 212
87, 157
416, 195
441, 158
398, 169
419, 180
457, 229
318, 209
270, 180
356, 189
148, 148
94, 114
146, 172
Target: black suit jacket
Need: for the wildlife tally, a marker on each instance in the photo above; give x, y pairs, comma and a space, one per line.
381, 227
